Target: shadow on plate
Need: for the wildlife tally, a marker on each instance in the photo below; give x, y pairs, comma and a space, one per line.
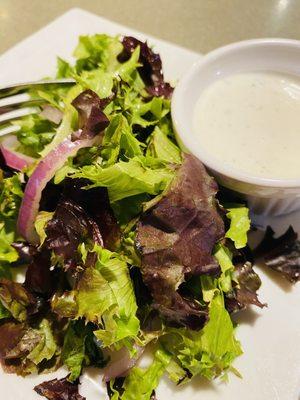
248, 316
197, 384
276, 278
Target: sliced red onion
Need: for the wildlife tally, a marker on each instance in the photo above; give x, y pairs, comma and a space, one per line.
120, 363
52, 114
12, 158
43, 173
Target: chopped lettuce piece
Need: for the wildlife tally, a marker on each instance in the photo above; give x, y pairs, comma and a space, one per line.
160, 146
141, 383
119, 137
104, 295
73, 351
59, 389
10, 198
146, 114
80, 349
47, 347
239, 225
7, 253
15, 298
129, 67
219, 345
41, 221
125, 179
4, 313
208, 352
224, 257
97, 80
64, 69
35, 133
96, 51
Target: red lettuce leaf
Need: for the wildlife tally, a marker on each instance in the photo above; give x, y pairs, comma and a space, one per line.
176, 238
281, 254
17, 341
244, 295
151, 69
95, 203
69, 227
92, 119
25, 251
40, 279
59, 389
11, 334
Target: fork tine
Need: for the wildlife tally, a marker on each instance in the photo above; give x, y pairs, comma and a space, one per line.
12, 103
16, 114
8, 129
21, 87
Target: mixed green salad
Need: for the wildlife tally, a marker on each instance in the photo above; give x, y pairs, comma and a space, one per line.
121, 237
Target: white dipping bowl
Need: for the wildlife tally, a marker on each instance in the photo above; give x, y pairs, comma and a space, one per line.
264, 196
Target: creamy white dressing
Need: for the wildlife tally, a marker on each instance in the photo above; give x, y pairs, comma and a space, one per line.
251, 122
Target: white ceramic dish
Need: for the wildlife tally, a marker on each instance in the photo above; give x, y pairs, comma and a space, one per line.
270, 337
265, 196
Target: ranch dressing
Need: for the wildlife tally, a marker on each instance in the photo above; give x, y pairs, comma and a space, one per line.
251, 122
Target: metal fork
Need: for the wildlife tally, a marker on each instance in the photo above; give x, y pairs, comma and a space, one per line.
16, 103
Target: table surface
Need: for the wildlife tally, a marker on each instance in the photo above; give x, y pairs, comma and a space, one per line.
200, 25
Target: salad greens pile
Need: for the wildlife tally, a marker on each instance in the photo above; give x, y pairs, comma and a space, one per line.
123, 243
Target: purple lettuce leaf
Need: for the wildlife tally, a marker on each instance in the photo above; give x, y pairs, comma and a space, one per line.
246, 292
40, 279
59, 389
69, 227
92, 119
176, 239
151, 70
95, 203
281, 254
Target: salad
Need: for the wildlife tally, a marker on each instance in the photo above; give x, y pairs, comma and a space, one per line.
122, 238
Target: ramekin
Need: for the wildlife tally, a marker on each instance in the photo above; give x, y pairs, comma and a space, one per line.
270, 197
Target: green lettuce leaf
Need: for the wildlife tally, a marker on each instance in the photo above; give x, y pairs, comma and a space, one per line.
64, 69
141, 383
96, 51
224, 257
46, 347
104, 295
73, 351
239, 225
35, 133
15, 298
219, 345
128, 70
145, 114
10, 199
125, 179
41, 221
68, 123
209, 352
160, 146
29, 348
119, 137
80, 349
97, 80
4, 313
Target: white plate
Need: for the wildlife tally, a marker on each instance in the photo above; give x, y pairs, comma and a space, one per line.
270, 337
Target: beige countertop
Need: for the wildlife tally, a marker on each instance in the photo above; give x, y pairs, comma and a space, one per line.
198, 24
